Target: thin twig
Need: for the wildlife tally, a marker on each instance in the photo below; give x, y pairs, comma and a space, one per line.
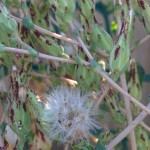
84, 48
127, 130
40, 55
59, 36
126, 101
102, 96
116, 86
50, 33
24, 44
128, 113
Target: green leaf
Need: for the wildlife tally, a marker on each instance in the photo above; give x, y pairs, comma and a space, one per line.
1, 47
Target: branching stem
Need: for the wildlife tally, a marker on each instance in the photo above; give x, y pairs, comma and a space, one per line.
127, 130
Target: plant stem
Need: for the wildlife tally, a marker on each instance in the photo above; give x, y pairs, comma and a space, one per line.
50, 33
127, 130
40, 55
116, 86
141, 123
128, 113
84, 48
102, 96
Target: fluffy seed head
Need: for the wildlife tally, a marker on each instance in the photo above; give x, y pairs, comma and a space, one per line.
69, 114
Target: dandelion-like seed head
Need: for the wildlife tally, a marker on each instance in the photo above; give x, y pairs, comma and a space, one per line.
69, 114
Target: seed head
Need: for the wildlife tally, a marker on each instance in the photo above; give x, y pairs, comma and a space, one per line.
69, 114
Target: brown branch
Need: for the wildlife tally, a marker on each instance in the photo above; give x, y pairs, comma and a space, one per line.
128, 113
50, 33
40, 55
141, 123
